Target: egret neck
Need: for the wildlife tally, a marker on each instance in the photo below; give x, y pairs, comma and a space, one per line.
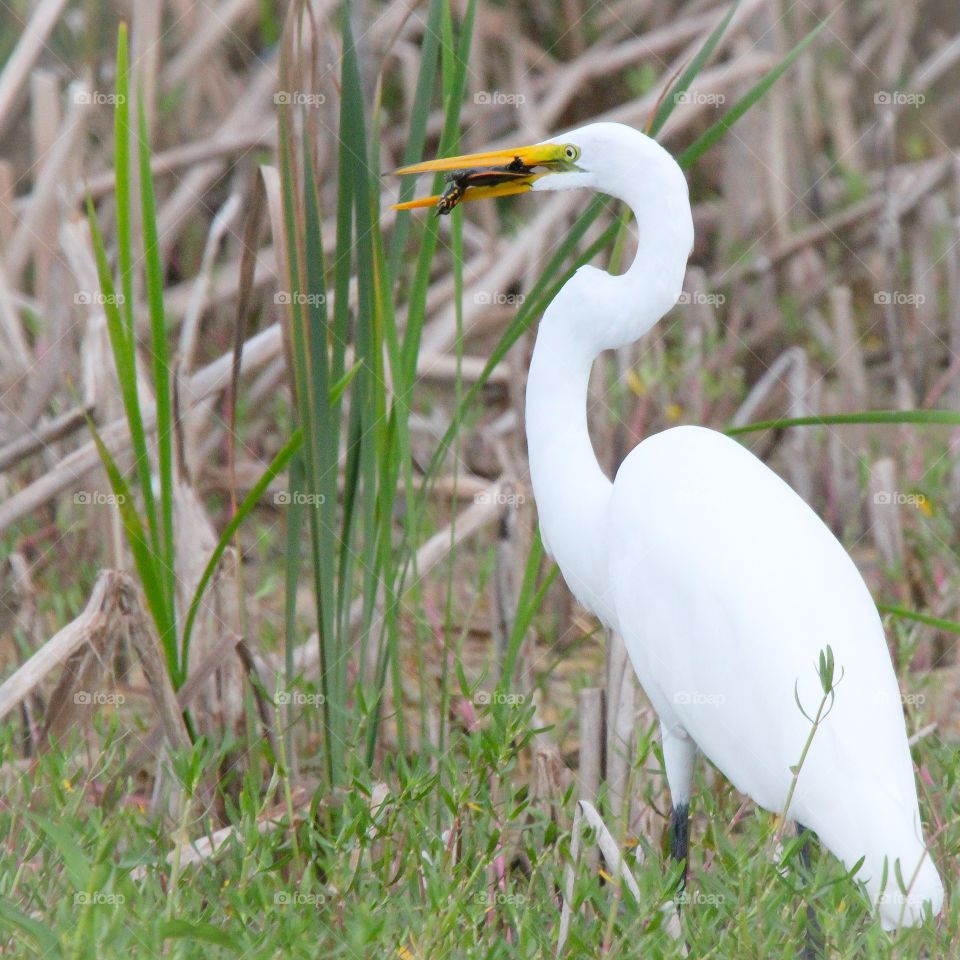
596, 311
564, 471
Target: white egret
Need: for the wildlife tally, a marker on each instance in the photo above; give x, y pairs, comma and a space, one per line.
724, 584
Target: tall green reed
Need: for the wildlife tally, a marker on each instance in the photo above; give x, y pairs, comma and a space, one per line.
351, 449
148, 516
356, 547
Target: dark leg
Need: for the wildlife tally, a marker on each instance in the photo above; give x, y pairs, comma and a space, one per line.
680, 838
813, 942
679, 754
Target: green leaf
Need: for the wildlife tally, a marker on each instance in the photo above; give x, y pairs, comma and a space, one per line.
123, 348
275, 466
417, 127
161, 375
922, 417
197, 930
38, 930
143, 557
950, 626
64, 841
528, 602
121, 167
755, 93
826, 669
669, 102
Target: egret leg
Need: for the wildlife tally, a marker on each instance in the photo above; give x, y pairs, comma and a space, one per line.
679, 754
813, 947
680, 838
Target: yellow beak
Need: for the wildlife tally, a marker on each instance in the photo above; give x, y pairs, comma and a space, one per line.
495, 173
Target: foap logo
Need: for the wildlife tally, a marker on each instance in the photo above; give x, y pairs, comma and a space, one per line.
286, 498
97, 299
898, 98
895, 898
299, 98
904, 699
499, 898
698, 698
485, 698
699, 898
98, 898
299, 298
98, 698
702, 298
498, 98
497, 299
898, 498
294, 898
97, 498
898, 298
504, 498
699, 98
98, 99
297, 698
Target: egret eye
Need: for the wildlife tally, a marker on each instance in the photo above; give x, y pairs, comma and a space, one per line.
571, 153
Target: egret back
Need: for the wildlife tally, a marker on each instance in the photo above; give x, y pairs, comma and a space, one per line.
726, 587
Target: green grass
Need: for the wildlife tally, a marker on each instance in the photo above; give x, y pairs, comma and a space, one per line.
339, 877
390, 878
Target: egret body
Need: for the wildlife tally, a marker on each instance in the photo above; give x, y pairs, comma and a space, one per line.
722, 581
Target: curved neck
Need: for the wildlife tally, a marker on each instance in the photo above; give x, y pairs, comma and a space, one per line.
571, 491
595, 311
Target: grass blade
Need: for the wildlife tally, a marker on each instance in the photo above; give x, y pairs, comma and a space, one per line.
39, 931
166, 564
950, 626
274, 468
923, 417
143, 556
128, 373
671, 98
703, 143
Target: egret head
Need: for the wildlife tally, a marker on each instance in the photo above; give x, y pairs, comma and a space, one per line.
607, 157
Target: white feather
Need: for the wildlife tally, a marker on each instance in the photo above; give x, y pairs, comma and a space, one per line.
723, 583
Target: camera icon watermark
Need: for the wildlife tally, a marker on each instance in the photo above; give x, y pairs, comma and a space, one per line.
700, 297
299, 98
296, 698
699, 898
98, 698
499, 898
286, 498
98, 898
294, 898
904, 699
97, 498
699, 98
498, 98
486, 698
96, 298
698, 698
898, 498
898, 98
898, 298
299, 298
503, 498
99, 99
498, 299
